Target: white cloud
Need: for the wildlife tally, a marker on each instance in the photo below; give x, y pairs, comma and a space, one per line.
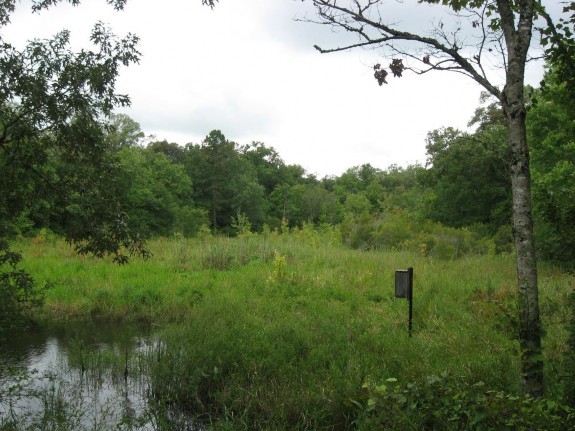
248, 69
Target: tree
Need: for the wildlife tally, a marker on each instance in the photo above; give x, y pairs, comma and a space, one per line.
52, 105
501, 31
52, 100
225, 183
559, 42
221, 163
155, 191
402, 189
267, 163
551, 130
469, 177
123, 132
171, 150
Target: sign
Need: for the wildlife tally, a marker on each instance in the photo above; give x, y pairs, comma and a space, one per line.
404, 289
402, 283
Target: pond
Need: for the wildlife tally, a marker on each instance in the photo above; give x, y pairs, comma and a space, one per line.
81, 376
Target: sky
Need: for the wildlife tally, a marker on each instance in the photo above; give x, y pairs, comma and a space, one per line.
249, 69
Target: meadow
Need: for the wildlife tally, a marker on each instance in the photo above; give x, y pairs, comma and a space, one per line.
296, 331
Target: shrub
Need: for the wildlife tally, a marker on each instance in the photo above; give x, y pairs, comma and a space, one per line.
444, 403
396, 230
569, 384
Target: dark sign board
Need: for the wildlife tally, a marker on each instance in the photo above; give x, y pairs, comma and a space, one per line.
404, 289
402, 284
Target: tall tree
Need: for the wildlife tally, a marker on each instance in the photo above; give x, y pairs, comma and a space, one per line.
225, 183
155, 189
267, 163
171, 150
123, 132
551, 130
501, 31
52, 102
221, 161
469, 177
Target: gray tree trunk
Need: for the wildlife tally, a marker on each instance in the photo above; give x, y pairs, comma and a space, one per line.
529, 323
513, 103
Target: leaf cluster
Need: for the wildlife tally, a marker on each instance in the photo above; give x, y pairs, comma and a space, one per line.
17, 290
445, 403
51, 134
558, 41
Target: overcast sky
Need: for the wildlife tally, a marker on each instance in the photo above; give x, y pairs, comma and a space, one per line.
249, 69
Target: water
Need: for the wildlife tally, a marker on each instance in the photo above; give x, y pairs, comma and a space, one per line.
77, 376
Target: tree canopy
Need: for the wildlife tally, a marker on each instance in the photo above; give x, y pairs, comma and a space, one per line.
55, 158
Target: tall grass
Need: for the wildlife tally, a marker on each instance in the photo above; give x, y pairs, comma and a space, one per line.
282, 331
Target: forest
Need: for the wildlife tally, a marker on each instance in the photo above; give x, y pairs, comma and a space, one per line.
457, 203
230, 290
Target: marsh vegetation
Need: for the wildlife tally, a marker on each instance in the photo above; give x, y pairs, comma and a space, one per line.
295, 331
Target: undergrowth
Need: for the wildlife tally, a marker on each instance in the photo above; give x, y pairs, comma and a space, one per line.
295, 331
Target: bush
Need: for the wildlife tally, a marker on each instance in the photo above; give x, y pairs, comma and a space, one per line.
444, 403
569, 384
396, 230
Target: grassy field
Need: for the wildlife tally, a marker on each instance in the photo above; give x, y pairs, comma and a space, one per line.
287, 331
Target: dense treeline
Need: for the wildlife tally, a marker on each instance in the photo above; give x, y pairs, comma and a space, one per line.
458, 202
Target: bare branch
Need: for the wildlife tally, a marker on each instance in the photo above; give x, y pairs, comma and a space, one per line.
364, 20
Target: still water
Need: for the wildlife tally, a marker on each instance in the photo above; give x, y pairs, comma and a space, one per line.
78, 376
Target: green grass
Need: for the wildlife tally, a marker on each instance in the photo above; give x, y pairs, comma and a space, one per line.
282, 331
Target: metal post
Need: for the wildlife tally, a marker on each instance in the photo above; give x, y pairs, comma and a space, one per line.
404, 289
410, 297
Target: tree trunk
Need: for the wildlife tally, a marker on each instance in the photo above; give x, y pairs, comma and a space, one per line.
529, 324
518, 38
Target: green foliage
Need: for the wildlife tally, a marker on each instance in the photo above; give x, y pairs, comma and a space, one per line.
569, 384
279, 268
224, 182
469, 176
190, 220
269, 167
356, 204
551, 127
398, 230
56, 168
53, 155
158, 193
122, 132
172, 151
242, 352
558, 40
447, 403
17, 290
242, 225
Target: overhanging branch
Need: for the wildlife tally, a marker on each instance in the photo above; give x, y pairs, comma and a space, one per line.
357, 20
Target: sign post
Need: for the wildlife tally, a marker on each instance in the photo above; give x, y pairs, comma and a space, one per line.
404, 289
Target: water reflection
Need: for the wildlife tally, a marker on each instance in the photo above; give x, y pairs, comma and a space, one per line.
76, 376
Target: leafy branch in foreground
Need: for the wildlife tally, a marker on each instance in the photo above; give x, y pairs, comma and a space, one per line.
53, 156
17, 290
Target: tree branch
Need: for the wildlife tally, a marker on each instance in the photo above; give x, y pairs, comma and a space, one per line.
330, 11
